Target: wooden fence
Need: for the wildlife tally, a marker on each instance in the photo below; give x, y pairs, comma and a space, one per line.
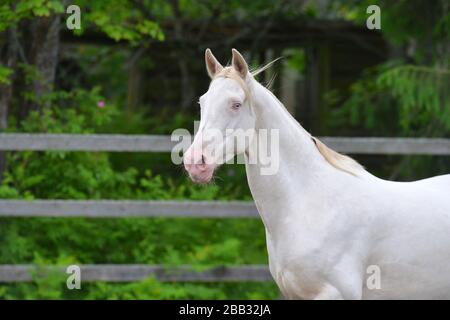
135, 272
153, 143
128, 208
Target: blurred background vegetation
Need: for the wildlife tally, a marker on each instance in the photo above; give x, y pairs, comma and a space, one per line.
136, 66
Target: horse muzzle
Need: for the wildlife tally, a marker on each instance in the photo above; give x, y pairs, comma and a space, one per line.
198, 169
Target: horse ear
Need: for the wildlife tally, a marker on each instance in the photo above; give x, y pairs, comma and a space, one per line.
212, 65
239, 64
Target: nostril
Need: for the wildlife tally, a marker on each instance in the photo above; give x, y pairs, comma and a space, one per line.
195, 162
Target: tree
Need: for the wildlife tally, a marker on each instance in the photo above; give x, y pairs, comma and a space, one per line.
30, 41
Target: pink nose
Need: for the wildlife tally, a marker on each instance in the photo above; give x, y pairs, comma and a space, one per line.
195, 168
195, 164
193, 158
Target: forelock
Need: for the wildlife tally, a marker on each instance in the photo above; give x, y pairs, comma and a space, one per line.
231, 73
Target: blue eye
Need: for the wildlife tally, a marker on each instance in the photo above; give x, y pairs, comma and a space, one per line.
236, 105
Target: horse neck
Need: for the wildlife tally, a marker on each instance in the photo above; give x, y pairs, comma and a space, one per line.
300, 163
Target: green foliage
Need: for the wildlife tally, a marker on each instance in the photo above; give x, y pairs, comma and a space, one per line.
423, 24
80, 175
296, 60
13, 11
422, 95
53, 287
4, 75
39, 8
415, 98
399, 100
119, 20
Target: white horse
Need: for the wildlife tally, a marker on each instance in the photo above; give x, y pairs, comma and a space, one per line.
328, 221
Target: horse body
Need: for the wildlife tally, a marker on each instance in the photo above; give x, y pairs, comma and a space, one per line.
412, 240
319, 245
328, 221
325, 227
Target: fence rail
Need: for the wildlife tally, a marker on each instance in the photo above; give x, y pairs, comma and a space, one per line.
127, 208
161, 143
136, 272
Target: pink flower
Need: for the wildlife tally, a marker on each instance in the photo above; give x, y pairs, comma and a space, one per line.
101, 104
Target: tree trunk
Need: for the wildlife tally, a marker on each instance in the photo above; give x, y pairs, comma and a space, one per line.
37, 44
187, 90
8, 58
42, 53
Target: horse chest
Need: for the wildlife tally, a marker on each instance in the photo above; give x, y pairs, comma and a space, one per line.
296, 275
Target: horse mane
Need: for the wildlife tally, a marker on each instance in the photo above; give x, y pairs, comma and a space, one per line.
230, 72
336, 159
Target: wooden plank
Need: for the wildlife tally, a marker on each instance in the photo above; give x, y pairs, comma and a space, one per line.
399, 146
160, 143
86, 142
127, 208
127, 273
